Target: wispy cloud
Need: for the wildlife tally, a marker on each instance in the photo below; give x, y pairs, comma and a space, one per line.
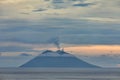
39, 10
10, 1
101, 19
90, 8
14, 49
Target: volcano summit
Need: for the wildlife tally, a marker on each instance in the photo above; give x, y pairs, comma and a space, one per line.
57, 59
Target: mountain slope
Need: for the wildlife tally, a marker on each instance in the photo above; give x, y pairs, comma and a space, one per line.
58, 59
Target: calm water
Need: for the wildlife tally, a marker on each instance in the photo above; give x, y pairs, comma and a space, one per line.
58, 74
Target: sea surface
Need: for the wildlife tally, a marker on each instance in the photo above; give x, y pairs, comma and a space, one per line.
59, 74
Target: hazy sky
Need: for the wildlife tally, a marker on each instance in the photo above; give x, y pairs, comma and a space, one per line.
30, 25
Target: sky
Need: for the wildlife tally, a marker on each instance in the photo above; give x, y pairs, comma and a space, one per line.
89, 27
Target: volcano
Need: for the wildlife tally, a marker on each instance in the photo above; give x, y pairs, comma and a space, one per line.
57, 59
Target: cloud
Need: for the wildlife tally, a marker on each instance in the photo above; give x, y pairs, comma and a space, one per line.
83, 4
25, 54
10, 1
14, 49
60, 8
102, 19
74, 21
79, 31
39, 10
57, 1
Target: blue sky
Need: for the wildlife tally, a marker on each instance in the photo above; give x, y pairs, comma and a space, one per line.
24, 23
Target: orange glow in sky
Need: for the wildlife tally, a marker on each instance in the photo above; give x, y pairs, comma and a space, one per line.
91, 50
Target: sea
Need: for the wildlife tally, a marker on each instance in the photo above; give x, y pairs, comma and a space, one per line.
59, 74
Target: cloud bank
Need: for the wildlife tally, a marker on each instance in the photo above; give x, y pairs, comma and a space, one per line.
82, 22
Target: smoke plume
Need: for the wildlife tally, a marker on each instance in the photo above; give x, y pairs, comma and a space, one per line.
56, 42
